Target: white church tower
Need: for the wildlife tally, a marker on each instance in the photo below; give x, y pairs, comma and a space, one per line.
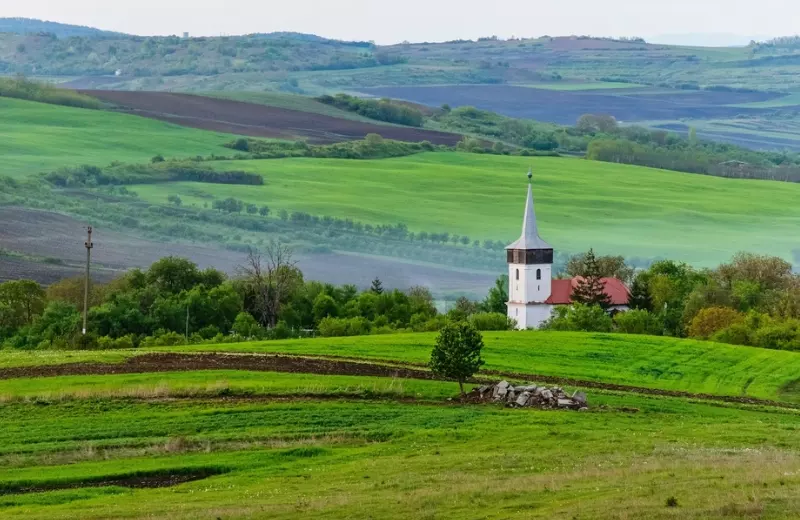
530, 272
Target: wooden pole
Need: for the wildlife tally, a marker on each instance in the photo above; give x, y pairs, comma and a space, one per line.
88, 244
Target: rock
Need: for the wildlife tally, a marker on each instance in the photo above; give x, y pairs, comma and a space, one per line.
583, 409
580, 398
522, 400
512, 396
547, 394
566, 403
539, 391
482, 390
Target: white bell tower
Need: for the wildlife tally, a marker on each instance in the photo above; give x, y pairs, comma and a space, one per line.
530, 272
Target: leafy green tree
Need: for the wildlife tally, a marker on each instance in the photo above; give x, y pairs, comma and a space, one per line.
173, 275
263, 211
22, 302
457, 353
246, 326
590, 289
608, 267
497, 298
325, 307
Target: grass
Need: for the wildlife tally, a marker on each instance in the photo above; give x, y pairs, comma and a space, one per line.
216, 383
653, 362
291, 102
350, 448
617, 209
646, 361
388, 460
37, 137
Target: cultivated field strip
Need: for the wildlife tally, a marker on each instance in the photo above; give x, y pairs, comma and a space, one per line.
257, 120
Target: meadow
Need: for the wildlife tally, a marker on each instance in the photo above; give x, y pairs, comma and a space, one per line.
39, 138
617, 209
242, 444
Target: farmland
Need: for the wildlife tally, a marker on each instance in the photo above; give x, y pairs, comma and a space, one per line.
615, 208
234, 443
259, 120
40, 138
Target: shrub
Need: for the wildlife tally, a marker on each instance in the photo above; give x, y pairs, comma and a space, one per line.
639, 322
711, 320
579, 318
457, 353
491, 321
339, 327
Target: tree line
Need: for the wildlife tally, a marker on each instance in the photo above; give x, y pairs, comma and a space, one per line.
175, 302
753, 300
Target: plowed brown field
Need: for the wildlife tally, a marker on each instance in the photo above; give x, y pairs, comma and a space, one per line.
251, 119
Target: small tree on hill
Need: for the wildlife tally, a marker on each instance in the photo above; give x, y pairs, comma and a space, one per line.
591, 289
457, 354
377, 286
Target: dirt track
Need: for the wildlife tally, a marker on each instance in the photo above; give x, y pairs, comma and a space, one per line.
257, 120
174, 362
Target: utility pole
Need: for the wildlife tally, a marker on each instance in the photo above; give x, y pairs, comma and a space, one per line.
89, 247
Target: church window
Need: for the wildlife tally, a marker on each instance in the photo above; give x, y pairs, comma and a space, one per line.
517, 274
538, 274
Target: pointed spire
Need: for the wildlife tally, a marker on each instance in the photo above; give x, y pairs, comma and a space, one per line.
530, 238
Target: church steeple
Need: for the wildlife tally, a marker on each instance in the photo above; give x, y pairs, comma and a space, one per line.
530, 239
530, 271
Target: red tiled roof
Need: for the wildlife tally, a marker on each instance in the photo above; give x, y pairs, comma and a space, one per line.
562, 291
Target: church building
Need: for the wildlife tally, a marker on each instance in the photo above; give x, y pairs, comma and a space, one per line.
532, 291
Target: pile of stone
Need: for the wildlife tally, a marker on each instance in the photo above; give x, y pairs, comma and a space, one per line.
530, 396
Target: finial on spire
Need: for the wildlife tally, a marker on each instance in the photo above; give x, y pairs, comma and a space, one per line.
530, 174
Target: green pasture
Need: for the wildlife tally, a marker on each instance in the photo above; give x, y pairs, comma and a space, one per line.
645, 361
36, 138
383, 459
617, 209
219, 382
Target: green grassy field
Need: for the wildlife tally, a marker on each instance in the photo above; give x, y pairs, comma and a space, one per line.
279, 445
645, 361
614, 208
36, 137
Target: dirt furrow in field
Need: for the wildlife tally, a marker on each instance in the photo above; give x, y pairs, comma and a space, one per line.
175, 362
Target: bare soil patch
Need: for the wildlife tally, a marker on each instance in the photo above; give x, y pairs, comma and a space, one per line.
156, 479
173, 362
251, 119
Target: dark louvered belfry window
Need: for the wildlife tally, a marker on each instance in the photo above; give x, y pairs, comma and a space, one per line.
530, 256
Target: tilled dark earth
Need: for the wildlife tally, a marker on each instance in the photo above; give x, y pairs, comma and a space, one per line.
252, 119
152, 480
176, 362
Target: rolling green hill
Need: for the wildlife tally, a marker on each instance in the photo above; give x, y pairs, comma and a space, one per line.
663, 363
38, 138
240, 443
635, 211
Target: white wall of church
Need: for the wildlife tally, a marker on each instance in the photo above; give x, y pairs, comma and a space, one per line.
529, 316
530, 283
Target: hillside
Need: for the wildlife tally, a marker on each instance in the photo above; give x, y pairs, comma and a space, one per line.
30, 26
354, 437
635, 211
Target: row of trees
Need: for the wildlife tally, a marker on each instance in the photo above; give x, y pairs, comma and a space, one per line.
380, 110
174, 302
753, 300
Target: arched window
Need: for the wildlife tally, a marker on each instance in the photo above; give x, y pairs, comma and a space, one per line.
517, 274
538, 274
